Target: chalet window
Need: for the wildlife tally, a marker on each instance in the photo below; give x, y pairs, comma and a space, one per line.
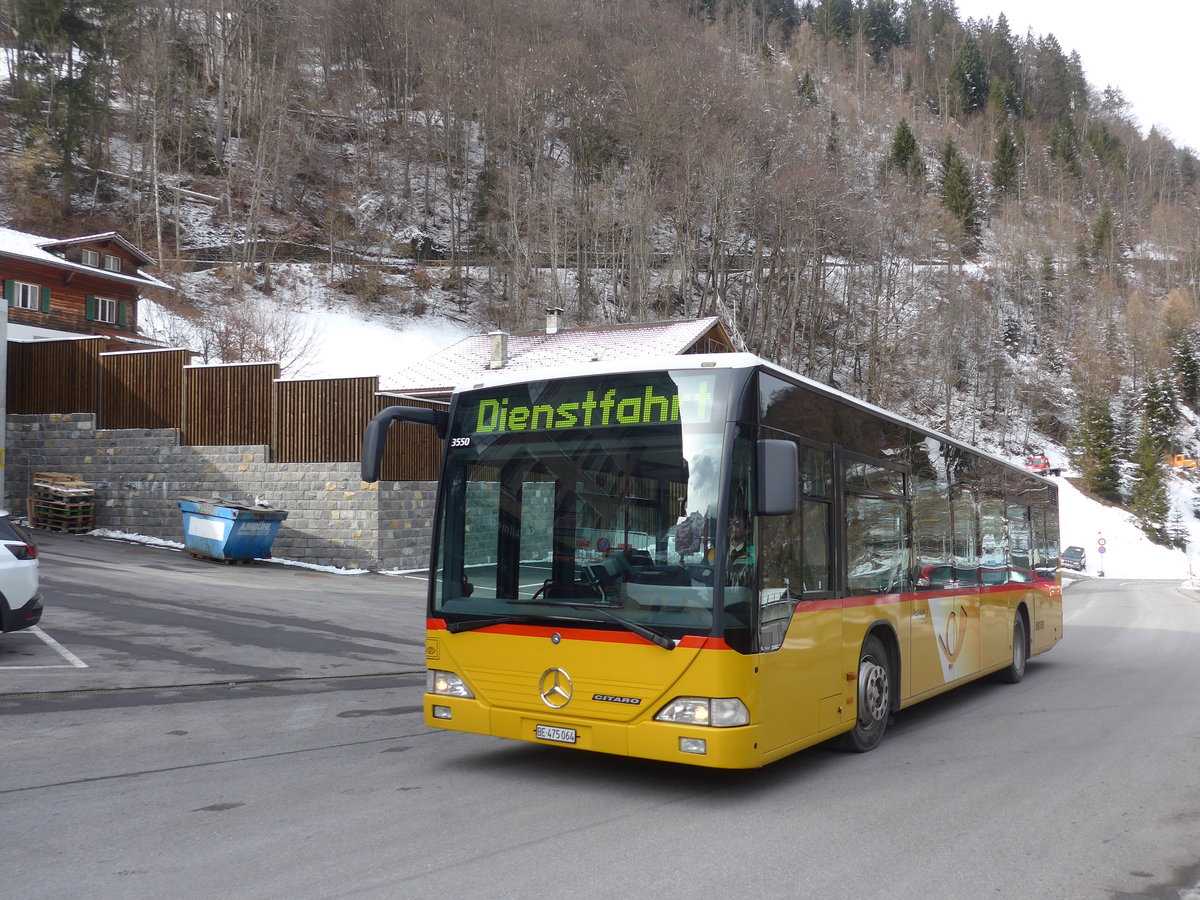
112, 263
91, 258
22, 295
107, 310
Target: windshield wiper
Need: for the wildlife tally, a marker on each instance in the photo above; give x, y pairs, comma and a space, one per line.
472, 624
636, 627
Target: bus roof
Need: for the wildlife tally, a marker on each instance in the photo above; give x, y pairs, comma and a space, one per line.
500, 378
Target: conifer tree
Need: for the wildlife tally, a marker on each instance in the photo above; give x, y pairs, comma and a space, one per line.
833, 144
880, 27
1005, 164
1104, 240
1161, 410
63, 49
1105, 145
906, 154
1064, 147
958, 194
1127, 424
1148, 499
835, 19
997, 102
1093, 449
1187, 368
807, 89
1177, 532
969, 77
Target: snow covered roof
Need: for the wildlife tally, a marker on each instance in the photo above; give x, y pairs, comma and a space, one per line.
32, 247
98, 238
32, 334
471, 357
27, 334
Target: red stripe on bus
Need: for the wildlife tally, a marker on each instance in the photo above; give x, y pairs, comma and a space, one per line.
689, 642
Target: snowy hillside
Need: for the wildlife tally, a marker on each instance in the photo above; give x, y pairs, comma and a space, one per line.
1129, 553
306, 325
346, 343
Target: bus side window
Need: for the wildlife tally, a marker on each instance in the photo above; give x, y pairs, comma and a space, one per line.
816, 489
816, 546
794, 550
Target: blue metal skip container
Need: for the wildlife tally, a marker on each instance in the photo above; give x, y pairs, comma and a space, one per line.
221, 530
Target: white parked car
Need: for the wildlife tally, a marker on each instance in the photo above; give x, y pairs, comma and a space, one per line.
20, 600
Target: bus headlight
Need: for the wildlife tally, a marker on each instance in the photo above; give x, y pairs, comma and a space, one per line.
446, 683
719, 712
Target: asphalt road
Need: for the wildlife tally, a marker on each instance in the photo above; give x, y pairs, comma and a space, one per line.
256, 732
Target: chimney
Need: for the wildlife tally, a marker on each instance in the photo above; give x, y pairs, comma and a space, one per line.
553, 314
499, 349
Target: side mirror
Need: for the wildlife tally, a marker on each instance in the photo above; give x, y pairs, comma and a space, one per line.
778, 477
376, 434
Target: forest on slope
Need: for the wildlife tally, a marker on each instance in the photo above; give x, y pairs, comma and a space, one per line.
934, 214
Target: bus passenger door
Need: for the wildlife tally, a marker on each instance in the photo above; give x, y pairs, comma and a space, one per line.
945, 633
800, 633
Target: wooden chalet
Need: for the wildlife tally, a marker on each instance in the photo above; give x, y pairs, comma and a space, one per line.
82, 286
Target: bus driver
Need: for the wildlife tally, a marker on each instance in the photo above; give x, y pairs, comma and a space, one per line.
739, 571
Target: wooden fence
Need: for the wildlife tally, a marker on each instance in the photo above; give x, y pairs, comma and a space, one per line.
55, 376
229, 404
319, 420
142, 389
343, 403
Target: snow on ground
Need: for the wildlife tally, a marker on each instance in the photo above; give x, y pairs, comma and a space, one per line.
1083, 522
352, 346
345, 343
1128, 552
165, 544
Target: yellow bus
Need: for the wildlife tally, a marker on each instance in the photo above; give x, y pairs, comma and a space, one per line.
711, 560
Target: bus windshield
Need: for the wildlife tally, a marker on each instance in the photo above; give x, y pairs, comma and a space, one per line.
583, 501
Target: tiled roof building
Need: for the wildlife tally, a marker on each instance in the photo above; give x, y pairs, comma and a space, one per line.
479, 354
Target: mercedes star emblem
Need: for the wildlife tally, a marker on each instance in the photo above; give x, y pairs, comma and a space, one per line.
555, 688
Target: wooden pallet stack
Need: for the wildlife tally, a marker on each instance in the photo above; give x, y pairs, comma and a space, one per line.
62, 502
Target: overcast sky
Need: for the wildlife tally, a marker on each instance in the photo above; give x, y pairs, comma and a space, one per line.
1147, 49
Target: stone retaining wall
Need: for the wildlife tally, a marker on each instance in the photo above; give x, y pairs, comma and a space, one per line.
334, 518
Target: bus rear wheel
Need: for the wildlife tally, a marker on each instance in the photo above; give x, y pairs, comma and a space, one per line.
1015, 672
874, 698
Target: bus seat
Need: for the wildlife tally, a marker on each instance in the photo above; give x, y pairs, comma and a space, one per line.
635, 558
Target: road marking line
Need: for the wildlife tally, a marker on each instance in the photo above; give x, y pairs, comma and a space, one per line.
51, 666
66, 654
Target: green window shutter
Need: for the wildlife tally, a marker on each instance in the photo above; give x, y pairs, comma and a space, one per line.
122, 314
45, 298
91, 308
10, 291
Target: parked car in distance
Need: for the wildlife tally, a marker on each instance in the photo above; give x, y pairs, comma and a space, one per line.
1074, 558
20, 600
1040, 465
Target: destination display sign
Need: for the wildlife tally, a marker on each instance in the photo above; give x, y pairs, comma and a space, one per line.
616, 402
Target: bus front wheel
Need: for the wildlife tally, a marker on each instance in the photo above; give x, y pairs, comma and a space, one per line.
874, 697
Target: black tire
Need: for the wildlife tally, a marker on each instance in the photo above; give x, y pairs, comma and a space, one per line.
1016, 671
874, 698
